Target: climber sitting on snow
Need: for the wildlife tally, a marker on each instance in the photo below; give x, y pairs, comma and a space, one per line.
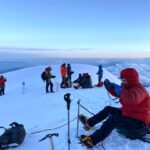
84, 81
132, 120
78, 81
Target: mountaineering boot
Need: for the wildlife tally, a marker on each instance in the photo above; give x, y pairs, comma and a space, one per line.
86, 140
84, 121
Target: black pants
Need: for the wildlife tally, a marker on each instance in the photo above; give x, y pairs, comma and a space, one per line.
99, 78
62, 85
69, 80
114, 118
49, 83
2, 90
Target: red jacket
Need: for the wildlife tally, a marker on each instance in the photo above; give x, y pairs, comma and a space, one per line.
2, 81
136, 103
134, 97
63, 71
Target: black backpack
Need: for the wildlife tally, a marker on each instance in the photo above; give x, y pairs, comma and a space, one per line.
43, 76
12, 137
131, 133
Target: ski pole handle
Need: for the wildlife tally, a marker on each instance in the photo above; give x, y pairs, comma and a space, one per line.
68, 100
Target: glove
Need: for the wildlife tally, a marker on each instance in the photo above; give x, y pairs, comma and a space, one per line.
108, 85
117, 89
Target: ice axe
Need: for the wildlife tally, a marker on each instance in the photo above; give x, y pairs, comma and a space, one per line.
50, 136
68, 101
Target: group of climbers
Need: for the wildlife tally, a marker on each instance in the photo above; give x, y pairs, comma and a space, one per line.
83, 81
2, 84
66, 74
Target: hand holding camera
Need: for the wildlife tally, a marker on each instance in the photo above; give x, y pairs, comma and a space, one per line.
112, 86
108, 85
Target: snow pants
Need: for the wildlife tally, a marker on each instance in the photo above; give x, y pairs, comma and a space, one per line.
113, 118
62, 85
2, 89
49, 83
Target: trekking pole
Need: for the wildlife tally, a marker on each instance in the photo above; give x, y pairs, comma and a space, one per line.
68, 100
56, 86
78, 117
51, 139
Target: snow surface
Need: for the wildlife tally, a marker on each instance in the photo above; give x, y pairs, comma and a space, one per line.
31, 106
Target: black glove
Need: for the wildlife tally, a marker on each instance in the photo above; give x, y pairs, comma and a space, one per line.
108, 85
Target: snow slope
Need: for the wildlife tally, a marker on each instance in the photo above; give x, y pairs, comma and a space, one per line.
38, 110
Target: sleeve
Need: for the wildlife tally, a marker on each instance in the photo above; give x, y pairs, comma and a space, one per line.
112, 92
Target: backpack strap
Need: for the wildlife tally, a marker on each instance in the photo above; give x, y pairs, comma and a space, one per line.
3, 128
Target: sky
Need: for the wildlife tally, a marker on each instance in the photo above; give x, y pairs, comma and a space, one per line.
75, 28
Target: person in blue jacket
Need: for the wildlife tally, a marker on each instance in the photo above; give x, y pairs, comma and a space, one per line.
100, 73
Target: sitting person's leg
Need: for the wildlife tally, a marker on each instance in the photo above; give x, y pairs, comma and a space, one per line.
106, 128
111, 123
100, 134
103, 114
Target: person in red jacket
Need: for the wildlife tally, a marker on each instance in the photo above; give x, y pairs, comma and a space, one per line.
63, 74
134, 113
2, 85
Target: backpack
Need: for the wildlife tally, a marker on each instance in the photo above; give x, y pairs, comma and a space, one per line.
100, 84
43, 76
12, 136
131, 133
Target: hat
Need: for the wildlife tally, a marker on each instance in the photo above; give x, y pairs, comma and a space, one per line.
131, 75
48, 68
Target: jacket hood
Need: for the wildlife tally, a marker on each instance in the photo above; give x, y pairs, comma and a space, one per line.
100, 66
131, 75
